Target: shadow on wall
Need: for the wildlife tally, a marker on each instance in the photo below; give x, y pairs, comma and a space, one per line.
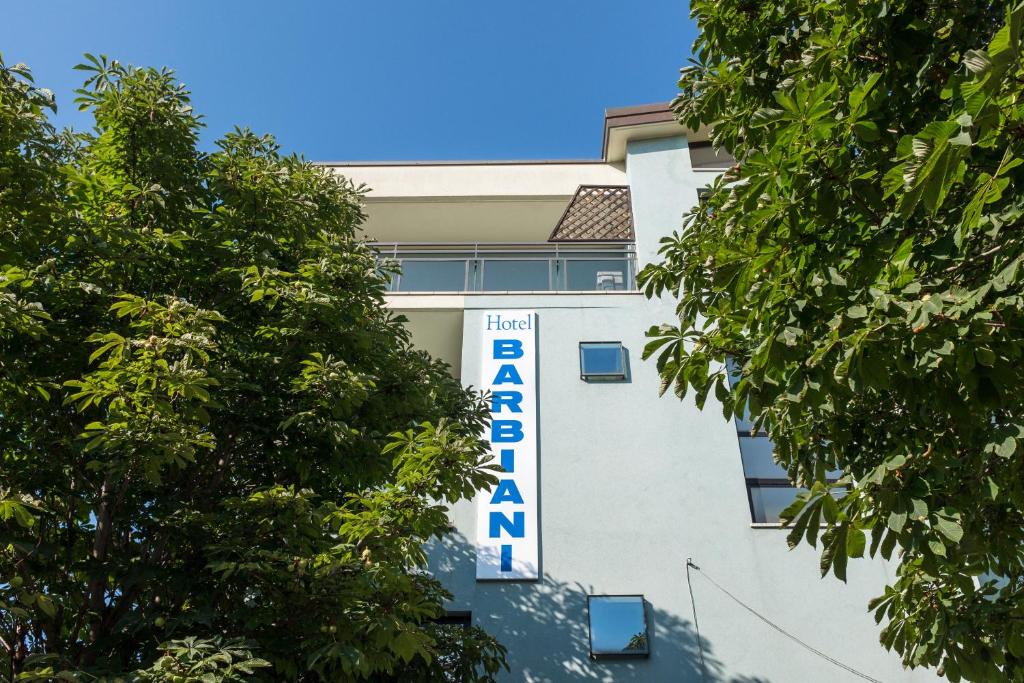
544, 626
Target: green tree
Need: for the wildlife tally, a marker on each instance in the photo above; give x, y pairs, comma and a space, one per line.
219, 454
861, 264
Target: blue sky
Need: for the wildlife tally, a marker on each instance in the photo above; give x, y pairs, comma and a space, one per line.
378, 79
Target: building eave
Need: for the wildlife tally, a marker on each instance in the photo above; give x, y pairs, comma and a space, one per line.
643, 122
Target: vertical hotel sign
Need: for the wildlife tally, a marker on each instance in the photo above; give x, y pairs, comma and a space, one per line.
507, 544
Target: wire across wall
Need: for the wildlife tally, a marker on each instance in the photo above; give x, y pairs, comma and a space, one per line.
771, 624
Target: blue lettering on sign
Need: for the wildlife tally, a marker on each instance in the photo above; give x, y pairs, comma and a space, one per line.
506, 431
495, 322
507, 374
507, 399
508, 460
506, 558
508, 348
515, 527
506, 492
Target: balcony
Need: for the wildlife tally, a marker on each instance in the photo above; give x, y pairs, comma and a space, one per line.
511, 267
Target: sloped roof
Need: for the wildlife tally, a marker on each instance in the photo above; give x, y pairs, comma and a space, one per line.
597, 213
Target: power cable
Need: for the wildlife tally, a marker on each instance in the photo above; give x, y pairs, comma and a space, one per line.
696, 626
691, 565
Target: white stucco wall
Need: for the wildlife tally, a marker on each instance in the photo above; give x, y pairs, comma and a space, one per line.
631, 485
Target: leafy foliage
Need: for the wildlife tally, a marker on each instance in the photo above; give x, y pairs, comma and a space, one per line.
861, 264
461, 654
214, 435
193, 659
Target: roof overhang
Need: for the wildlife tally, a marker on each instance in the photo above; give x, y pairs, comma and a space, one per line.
502, 201
472, 201
643, 122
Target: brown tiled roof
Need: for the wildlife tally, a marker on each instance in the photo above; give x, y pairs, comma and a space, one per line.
596, 213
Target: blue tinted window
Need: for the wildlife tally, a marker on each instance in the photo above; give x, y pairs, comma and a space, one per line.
758, 462
766, 502
768, 485
618, 625
602, 360
597, 275
432, 276
516, 276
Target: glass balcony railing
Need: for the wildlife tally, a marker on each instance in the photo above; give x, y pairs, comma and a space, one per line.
544, 267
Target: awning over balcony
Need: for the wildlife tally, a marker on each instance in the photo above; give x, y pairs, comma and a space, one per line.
597, 213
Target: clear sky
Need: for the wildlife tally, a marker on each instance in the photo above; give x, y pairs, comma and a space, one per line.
377, 79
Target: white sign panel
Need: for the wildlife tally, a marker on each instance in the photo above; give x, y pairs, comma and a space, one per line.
507, 544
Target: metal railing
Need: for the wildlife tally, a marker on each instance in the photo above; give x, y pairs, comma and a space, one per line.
511, 267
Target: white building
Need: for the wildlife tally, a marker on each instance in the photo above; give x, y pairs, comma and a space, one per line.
610, 487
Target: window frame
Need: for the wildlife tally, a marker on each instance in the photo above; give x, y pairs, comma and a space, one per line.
646, 653
762, 483
605, 376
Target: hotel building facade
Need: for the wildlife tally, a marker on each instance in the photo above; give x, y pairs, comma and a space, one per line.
522, 276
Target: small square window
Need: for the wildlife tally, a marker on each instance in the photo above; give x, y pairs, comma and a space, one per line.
458, 618
618, 626
602, 361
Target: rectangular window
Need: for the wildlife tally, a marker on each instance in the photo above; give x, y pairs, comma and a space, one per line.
596, 275
768, 487
758, 463
768, 498
618, 626
508, 275
602, 361
456, 618
769, 490
421, 275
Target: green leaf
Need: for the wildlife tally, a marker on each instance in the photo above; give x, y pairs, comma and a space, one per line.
985, 356
860, 92
46, 605
866, 131
1015, 643
950, 529
897, 520
857, 312
895, 462
765, 116
405, 645
856, 541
